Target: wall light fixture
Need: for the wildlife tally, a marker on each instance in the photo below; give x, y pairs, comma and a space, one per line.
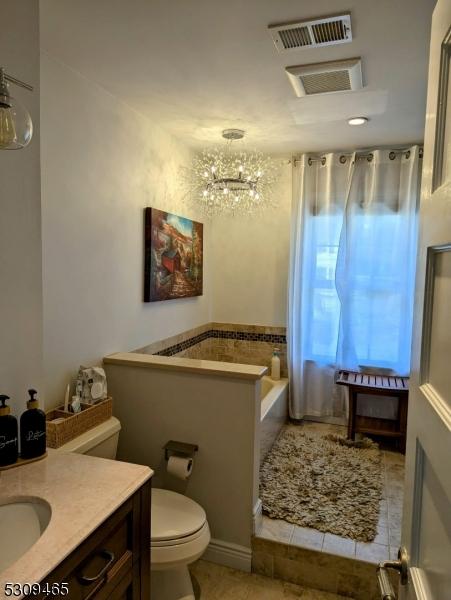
16, 126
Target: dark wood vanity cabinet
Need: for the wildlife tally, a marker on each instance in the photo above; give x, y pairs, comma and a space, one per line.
114, 561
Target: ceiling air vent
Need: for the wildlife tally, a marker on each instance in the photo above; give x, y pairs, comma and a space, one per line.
327, 77
312, 34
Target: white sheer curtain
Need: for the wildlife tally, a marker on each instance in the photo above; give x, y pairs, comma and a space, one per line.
352, 272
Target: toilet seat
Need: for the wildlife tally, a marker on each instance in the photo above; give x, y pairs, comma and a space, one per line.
179, 541
176, 554
179, 531
174, 518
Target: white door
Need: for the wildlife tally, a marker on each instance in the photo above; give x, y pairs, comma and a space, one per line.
426, 530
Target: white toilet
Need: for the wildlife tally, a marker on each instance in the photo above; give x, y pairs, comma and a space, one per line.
179, 527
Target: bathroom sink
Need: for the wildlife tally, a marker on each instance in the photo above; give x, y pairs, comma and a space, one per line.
22, 522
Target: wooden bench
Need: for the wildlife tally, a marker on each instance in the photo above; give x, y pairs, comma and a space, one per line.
379, 385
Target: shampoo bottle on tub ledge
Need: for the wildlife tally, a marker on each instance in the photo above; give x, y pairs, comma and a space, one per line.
275, 364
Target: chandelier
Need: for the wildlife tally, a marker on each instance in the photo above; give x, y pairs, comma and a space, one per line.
227, 181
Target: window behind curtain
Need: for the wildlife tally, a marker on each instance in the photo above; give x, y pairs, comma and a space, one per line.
323, 306
374, 286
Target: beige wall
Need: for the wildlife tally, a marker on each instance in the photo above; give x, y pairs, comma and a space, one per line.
102, 163
220, 414
250, 256
20, 216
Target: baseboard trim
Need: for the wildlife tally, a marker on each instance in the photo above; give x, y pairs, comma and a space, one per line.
229, 555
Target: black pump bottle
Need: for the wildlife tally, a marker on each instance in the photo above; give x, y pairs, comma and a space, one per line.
32, 429
9, 444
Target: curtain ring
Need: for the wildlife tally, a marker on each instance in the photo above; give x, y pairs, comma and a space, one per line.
407, 154
392, 155
323, 160
342, 159
370, 157
421, 153
310, 162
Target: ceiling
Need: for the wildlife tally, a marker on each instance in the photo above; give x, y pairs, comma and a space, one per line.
198, 66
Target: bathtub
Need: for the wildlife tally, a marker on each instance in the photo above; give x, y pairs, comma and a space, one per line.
274, 412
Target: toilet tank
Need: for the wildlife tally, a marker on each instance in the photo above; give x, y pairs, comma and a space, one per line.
99, 441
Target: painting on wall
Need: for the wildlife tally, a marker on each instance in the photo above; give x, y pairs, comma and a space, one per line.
173, 256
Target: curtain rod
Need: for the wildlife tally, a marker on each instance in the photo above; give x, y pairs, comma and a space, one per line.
360, 156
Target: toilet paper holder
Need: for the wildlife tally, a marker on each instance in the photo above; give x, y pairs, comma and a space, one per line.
179, 448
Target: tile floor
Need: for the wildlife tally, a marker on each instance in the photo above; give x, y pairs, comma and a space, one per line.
387, 541
215, 582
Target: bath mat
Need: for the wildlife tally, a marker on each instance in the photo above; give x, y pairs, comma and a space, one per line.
323, 481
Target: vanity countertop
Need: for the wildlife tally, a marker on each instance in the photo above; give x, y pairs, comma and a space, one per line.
82, 492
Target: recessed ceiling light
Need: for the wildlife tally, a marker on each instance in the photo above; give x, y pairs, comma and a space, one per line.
358, 121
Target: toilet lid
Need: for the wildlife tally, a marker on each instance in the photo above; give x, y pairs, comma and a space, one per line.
174, 516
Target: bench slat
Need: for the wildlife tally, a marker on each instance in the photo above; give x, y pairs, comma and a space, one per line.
379, 382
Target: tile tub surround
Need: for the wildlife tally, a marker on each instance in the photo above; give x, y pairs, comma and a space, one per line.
226, 342
82, 492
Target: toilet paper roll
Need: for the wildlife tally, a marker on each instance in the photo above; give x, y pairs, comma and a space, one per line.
180, 466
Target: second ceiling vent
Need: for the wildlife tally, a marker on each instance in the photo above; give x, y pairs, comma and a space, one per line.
327, 77
312, 34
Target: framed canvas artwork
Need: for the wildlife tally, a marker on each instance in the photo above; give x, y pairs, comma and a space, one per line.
173, 256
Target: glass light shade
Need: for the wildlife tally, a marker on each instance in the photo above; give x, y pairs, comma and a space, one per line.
16, 126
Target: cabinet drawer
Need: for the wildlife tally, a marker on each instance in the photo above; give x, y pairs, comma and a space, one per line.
126, 589
104, 566
104, 558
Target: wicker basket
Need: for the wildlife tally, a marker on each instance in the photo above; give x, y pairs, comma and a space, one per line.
75, 424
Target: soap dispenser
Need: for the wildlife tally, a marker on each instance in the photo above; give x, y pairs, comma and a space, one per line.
9, 447
32, 429
275, 365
